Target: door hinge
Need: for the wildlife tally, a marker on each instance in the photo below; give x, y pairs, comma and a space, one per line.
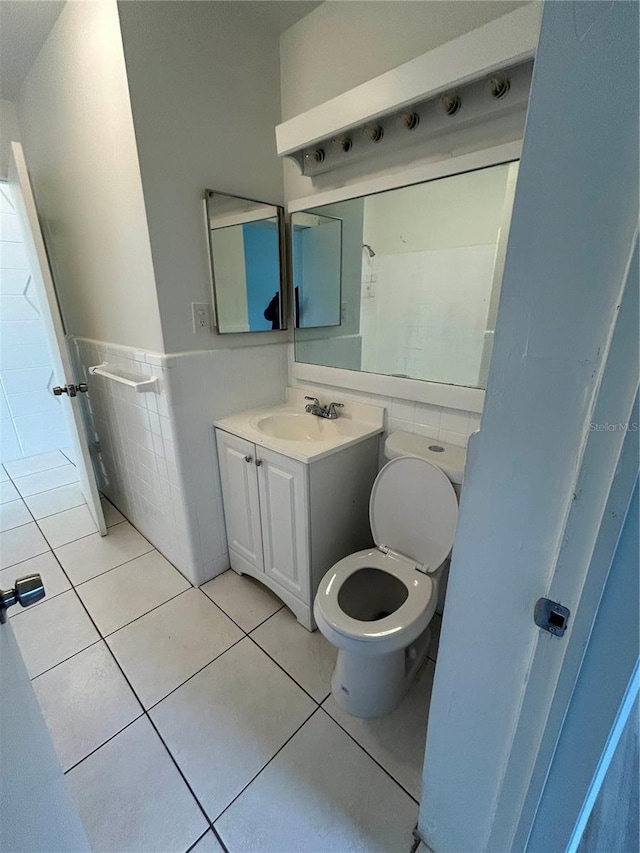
71, 390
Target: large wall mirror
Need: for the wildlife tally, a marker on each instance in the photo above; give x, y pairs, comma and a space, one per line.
246, 243
412, 278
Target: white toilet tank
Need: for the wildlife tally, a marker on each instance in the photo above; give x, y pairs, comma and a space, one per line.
449, 458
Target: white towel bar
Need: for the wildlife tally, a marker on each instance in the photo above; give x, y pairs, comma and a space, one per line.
119, 374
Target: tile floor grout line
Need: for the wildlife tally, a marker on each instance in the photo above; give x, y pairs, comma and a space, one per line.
43, 491
197, 841
53, 467
64, 660
145, 714
58, 511
15, 527
179, 769
34, 519
260, 624
262, 769
220, 607
32, 557
375, 760
148, 716
219, 838
106, 571
193, 675
78, 538
104, 743
255, 642
146, 613
69, 458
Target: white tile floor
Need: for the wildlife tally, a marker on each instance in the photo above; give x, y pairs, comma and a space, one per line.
194, 719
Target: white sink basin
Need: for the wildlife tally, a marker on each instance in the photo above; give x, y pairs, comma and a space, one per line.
288, 429
300, 426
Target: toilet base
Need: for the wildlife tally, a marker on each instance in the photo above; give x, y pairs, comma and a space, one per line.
373, 685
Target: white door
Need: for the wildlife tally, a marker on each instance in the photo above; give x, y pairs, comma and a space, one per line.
240, 490
285, 521
605, 691
36, 813
45, 289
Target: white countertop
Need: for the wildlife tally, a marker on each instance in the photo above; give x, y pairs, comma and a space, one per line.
322, 437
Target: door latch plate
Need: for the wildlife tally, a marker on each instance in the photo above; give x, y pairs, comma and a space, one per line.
551, 616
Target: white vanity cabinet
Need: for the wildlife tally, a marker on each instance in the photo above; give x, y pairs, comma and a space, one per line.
288, 521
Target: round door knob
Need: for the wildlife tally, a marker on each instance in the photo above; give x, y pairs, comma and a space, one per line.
27, 590
248, 459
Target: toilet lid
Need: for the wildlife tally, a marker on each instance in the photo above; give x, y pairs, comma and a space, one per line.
413, 510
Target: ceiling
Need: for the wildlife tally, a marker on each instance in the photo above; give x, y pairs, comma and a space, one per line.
275, 15
25, 25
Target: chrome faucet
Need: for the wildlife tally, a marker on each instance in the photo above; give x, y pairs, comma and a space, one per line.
329, 412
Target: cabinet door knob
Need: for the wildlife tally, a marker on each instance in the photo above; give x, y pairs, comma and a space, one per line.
248, 459
258, 462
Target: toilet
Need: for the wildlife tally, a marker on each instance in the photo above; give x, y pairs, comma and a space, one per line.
375, 605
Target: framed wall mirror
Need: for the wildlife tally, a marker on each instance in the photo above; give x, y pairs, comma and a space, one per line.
419, 271
246, 245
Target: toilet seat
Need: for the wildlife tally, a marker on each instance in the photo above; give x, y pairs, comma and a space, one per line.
395, 631
413, 510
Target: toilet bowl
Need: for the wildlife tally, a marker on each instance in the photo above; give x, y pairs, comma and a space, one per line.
375, 605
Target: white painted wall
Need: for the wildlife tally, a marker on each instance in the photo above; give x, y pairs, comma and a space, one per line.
571, 235
8, 133
341, 45
77, 132
32, 420
204, 81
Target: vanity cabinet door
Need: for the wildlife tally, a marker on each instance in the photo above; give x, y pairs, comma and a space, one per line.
238, 473
285, 521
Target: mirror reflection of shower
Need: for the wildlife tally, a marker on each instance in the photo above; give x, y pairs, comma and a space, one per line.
368, 291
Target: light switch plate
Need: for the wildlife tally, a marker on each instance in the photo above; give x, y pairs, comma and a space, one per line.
201, 315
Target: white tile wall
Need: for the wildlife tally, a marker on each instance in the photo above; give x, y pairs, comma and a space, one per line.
31, 419
157, 459
449, 425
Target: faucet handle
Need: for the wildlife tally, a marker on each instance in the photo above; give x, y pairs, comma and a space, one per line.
313, 399
331, 409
